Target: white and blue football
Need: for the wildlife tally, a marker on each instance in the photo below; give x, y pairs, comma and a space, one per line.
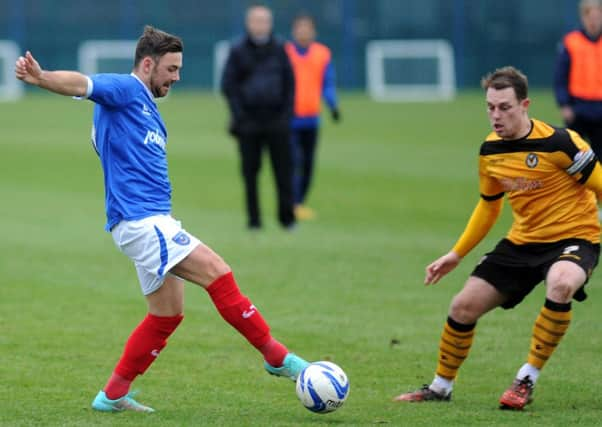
322, 387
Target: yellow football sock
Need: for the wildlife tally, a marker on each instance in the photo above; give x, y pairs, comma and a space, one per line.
454, 346
550, 326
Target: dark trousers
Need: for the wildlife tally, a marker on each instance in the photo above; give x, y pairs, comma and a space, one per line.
590, 130
303, 144
251, 148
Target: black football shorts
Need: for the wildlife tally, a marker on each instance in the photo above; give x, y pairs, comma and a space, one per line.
515, 270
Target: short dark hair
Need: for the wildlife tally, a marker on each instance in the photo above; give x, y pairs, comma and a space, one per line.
156, 43
505, 77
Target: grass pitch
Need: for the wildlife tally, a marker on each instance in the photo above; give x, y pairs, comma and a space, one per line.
395, 185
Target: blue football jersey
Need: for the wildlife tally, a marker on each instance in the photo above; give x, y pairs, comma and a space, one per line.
130, 139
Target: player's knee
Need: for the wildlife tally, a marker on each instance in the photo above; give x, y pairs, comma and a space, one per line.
560, 291
562, 285
217, 268
463, 310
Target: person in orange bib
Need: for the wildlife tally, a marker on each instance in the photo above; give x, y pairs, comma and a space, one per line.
578, 77
314, 80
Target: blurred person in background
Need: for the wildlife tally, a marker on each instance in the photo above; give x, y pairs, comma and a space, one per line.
314, 80
259, 85
578, 76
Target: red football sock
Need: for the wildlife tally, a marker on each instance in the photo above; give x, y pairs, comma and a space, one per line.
142, 348
238, 311
274, 352
117, 386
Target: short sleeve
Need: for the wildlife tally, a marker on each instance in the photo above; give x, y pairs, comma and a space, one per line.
113, 90
489, 187
582, 158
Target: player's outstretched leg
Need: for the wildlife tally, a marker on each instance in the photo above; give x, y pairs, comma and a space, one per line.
142, 348
454, 346
239, 312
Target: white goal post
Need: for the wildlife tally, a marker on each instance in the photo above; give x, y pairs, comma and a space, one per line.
90, 52
441, 51
221, 50
11, 88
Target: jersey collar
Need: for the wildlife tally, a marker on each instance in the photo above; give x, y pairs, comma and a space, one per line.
144, 86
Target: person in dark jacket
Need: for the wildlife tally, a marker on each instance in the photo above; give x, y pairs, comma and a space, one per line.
259, 85
577, 82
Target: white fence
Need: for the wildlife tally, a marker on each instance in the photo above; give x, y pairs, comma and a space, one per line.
380, 86
11, 89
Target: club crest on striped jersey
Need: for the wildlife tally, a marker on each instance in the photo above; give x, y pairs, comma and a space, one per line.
532, 160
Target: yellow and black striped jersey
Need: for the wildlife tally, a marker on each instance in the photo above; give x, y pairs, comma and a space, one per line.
543, 176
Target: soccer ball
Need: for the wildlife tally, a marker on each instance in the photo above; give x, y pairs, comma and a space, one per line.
322, 387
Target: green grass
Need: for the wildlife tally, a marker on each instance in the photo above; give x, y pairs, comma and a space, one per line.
394, 187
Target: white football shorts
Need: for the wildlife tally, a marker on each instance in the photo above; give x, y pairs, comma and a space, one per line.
156, 244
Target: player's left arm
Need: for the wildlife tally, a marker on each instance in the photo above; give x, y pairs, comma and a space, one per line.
329, 91
69, 83
594, 182
584, 165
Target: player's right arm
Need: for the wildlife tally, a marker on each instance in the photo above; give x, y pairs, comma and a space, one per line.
69, 83
483, 217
